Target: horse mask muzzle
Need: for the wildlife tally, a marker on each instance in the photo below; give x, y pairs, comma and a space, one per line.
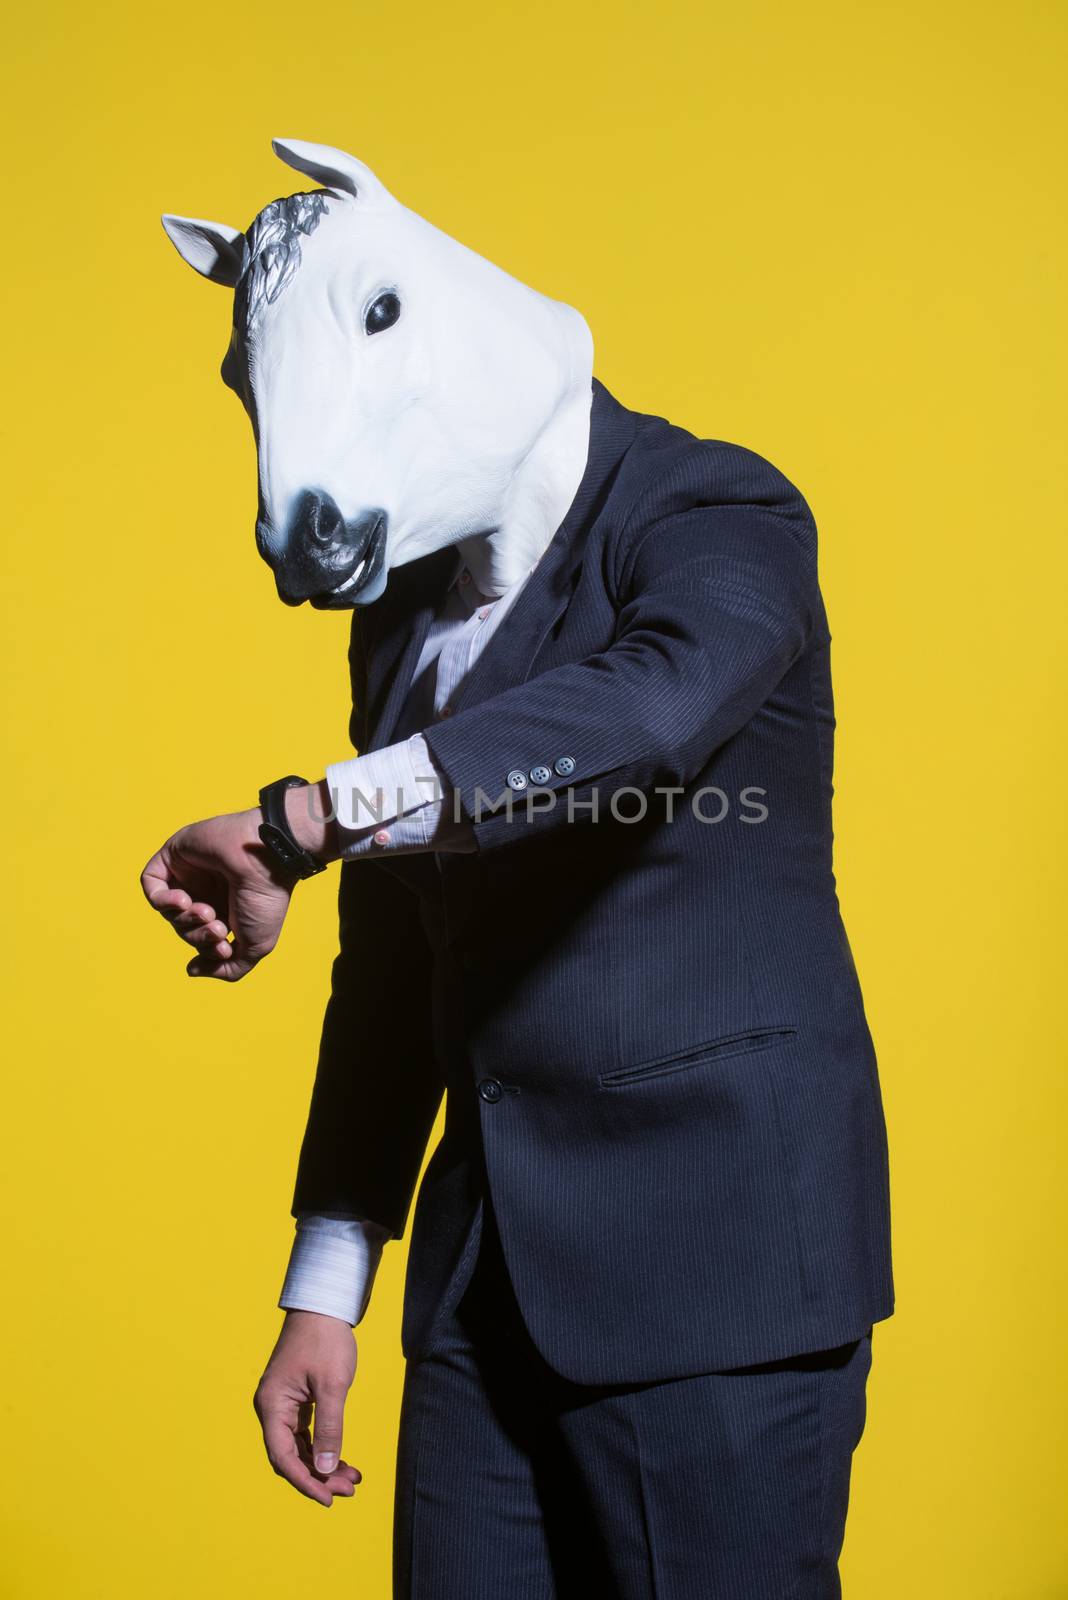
327, 559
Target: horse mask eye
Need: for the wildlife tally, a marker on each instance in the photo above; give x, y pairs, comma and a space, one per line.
382, 314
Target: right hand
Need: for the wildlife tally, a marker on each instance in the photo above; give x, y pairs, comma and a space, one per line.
311, 1367
213, 878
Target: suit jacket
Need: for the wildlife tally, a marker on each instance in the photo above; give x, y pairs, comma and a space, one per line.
649, 1024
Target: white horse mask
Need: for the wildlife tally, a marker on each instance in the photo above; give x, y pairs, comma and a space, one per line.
405, 393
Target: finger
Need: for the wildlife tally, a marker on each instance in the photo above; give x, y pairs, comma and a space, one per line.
165, 899
346, 1477
345, 1473
228, 968
285, 1458
158, 886
207, 936
155, 878
329, 1421
236, 961
194, 916
212, 955
342, 1480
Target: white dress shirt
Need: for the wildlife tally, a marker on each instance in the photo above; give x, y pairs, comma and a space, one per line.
388, 801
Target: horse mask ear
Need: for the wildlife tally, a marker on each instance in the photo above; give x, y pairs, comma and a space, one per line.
211, 248
331, 167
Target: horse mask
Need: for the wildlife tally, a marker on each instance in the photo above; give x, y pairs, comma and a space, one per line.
405, 394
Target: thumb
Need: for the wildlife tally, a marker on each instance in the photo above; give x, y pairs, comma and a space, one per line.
329, 1419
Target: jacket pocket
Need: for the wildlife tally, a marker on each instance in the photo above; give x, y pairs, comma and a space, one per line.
732, 1044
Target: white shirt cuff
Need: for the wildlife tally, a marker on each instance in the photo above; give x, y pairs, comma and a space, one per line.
332, 1266
375, 788
417, 810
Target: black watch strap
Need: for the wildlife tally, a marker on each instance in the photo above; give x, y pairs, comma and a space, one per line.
278, 836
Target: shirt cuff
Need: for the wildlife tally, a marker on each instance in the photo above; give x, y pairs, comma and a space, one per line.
332, 1266
375, 788
387, 780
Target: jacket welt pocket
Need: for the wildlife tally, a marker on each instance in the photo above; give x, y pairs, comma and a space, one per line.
733, 1044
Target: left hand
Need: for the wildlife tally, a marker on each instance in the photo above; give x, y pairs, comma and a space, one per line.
312, 1366
213, 879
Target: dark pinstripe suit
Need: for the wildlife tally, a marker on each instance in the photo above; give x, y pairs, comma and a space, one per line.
651, 1031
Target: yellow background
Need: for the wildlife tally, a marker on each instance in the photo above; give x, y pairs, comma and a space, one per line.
832, 233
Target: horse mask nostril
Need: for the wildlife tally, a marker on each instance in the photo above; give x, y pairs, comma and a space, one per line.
317, 520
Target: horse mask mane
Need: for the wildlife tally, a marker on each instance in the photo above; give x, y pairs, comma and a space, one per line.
405, 393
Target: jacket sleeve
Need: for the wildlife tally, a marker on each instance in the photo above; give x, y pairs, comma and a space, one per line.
714, 604
377, 1084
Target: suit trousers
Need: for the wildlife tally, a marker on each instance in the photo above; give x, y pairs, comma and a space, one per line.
514, 1483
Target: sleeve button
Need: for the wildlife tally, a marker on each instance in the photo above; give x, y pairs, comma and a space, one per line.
540, 775
517, 779
565, 765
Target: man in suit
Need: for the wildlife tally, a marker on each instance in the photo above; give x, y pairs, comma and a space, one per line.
587, 894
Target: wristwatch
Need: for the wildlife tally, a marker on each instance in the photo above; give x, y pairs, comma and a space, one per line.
277, 835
